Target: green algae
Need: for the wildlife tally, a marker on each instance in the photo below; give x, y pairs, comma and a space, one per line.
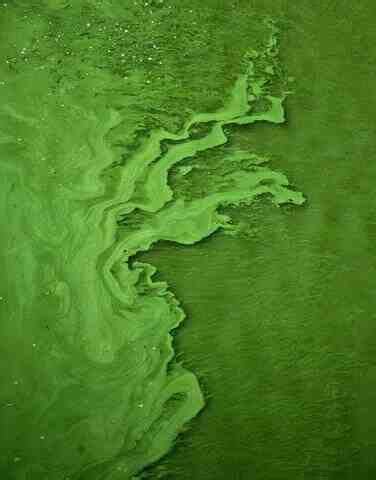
96, 393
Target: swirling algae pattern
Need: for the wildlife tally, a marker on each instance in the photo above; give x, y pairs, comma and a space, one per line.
104, 397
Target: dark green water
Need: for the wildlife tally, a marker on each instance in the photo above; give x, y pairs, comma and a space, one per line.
282, 326
279, 321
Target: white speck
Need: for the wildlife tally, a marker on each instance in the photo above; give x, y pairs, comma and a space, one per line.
154, 348
148, 81
42, 437
126, 30
16, 459
88, 24
123, 54
10, 404
34, 345
16, 382
141, 405
1, 298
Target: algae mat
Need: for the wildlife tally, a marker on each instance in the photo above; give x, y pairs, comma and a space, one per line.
94, 392
134, 126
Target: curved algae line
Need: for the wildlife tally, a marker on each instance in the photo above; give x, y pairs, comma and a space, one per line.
157, 189
100, 342
112, 315
174, 219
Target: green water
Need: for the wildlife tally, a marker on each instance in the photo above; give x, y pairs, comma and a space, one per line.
288, 354
106, 104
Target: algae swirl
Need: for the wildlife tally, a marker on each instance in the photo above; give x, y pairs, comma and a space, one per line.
96, 392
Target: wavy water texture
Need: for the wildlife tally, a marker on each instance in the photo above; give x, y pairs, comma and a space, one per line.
95, 392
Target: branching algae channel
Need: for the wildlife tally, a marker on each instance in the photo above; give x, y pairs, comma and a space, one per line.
93, 390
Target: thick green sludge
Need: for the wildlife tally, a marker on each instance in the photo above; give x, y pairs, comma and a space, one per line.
95, 393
